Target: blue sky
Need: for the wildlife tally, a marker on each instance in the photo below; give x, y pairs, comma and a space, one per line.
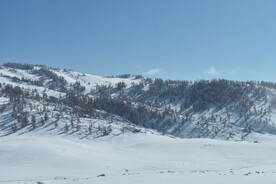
170, 39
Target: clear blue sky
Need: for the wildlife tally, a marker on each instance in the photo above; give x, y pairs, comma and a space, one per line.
171, 39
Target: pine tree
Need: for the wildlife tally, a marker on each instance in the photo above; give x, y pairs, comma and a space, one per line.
33, 121
78, 124
66, 128
14, 127
42, 121
90, 128
46, 117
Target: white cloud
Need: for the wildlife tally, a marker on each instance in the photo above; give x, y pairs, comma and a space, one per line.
232, 72
213, 71
153, 71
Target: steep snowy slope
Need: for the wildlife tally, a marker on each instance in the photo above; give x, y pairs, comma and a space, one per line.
61, 121
219, 109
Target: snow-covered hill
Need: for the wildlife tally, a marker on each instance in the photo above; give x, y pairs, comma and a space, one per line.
61, 118
61, 122
65, 127
76, 102
23, 78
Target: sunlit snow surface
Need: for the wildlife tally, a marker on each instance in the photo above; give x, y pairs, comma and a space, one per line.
135, 158
49, 155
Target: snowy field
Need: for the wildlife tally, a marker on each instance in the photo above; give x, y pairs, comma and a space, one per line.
135, 158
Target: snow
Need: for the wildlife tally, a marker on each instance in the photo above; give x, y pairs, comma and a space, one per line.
135, 158
48, 154
89, 81
22, 73
4, 100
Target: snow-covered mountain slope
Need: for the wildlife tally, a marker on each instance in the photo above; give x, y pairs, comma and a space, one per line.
135, 158
64, 127
23, 78
219, 109
59, 120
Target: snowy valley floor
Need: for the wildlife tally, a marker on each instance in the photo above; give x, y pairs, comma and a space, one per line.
135, 158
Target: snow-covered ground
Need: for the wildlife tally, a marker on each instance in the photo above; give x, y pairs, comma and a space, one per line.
135, 158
